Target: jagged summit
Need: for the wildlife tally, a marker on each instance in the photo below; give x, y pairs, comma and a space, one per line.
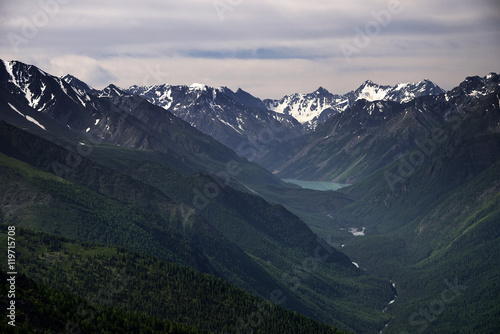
198, 86
371, 91
78, 84
112, 91
233, 118
314, 108
476, 86
321, 90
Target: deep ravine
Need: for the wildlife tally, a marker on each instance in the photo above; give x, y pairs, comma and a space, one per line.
393, 288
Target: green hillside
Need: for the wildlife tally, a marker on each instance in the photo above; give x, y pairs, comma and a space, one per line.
116, 290
236, 236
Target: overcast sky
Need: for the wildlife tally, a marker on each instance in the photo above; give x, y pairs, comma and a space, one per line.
267, 47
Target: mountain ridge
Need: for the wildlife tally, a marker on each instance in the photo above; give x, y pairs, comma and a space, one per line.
116, 117
370, 134
315, 108
236, 119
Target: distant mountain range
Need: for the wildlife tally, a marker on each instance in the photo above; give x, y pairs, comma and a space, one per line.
373, 133
236, 119
251, 126
317, 107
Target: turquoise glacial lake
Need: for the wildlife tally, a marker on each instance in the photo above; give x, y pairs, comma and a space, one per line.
317, 185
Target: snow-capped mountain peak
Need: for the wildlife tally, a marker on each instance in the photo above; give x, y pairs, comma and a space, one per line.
231, 117
198, 86
78, 84
475, 86
111, 91
306, 108
371, 91
37, 87
314, 108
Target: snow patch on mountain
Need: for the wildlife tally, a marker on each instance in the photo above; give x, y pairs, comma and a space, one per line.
29, 118
198, 86
230, 125
8, 66
372, 92
32, 120
475, 86
22, 81
15, 109
306, 108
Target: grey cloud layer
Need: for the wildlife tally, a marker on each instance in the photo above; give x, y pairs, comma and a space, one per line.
253, 31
